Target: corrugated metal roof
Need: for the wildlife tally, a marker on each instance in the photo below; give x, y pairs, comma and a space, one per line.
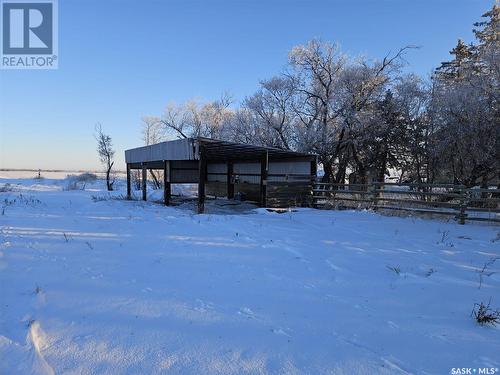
179, 149
224, 150
188, 149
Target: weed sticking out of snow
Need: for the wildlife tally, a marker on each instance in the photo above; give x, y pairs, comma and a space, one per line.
395, 269
445, 239
430, 272
108, 197
484, 315
485, 272
100, 198
497, 238
20, 200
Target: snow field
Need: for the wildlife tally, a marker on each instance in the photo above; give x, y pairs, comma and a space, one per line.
95, 285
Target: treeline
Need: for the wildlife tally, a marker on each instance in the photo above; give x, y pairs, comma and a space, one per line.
365, 118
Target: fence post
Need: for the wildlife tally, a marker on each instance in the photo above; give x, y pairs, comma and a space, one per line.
314, 187
462, 215
314, 173
373, 188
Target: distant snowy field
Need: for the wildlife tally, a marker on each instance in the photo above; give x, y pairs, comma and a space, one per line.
29, 174
94, 285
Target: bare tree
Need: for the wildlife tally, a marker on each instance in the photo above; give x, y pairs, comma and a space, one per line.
106, 154
153, 132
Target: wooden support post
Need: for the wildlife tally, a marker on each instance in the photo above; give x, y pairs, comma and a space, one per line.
144, 181
314, 169
129, 183
264, 169
202, 170
230, 184
167, 191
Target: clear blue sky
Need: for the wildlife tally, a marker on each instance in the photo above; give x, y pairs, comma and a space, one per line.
120, 60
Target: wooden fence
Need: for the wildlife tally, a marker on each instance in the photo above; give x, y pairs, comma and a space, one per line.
442, 199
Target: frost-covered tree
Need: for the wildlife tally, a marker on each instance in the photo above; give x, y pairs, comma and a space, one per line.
177, 121
412, 143
215, 117
487, 50
274, 111
460, 66
315, 70
466, 110
364, 118
196, 119
364, 85
152, 130
334, 103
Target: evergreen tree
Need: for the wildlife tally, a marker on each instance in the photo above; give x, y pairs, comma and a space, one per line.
462, 64
487, 51
488, 32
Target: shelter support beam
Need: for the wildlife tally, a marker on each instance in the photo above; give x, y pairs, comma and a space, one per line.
230, 182
264, 170
201, 181
167, 188
144, 181
129, 185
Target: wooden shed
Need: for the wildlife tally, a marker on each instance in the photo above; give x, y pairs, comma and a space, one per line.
270, 176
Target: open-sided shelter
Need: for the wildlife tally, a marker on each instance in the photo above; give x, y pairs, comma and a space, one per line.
270, 176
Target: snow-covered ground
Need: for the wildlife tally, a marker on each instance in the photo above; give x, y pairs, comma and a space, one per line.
95, 285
